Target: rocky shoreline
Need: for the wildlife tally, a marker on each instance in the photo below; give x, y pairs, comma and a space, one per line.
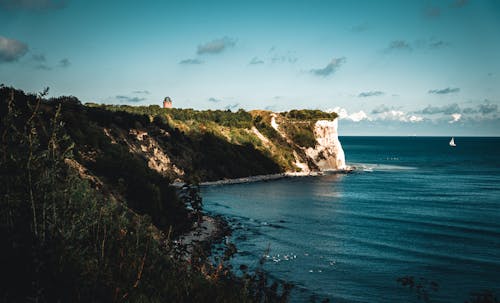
209, 231
270, 177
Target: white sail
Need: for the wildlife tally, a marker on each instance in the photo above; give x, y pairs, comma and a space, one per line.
452, 142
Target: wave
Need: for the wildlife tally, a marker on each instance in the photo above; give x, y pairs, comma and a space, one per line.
369, 167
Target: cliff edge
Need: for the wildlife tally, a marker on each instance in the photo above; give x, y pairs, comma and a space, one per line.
188, 145
328, 153
115, 142
314, 142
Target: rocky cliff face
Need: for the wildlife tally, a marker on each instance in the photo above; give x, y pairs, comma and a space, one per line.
187, 145
328, 153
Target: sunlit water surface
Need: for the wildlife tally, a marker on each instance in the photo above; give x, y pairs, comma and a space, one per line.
414, 207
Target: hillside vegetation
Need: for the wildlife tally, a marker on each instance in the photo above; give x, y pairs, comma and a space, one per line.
88, 213
214, 144
83, 218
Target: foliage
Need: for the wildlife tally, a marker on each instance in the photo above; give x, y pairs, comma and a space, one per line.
301, 133
144, 190
239, 119
229, 130
207, 145
283, 154
63, 241
308, 114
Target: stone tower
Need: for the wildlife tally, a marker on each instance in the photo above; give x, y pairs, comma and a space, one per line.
167, 102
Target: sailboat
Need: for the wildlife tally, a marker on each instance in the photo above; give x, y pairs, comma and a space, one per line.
452, 142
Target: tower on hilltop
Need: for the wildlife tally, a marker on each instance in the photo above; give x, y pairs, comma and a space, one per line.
167, 102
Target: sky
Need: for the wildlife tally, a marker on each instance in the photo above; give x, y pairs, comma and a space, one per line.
386, 67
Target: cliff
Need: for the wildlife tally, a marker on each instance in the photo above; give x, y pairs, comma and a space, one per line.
86, 203
187, 145
328, 153
132, 154
199, 146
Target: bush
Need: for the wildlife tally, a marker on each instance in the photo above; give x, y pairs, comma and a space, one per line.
63, 241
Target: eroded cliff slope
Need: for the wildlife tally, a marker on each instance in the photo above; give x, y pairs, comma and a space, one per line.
190, 145
113, 143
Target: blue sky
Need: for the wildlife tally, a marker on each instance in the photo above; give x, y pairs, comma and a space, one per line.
388, 67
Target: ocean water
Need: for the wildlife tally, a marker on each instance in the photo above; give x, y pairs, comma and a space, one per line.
414, 207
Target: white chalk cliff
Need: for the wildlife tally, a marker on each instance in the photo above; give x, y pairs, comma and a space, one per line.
328, 153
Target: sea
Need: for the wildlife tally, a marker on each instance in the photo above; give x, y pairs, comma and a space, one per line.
414, 210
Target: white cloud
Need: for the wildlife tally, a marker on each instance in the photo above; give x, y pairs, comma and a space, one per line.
355, 117
11, 50
341, 112
388, 115
455, 117
398, 115
416, 119
358, 116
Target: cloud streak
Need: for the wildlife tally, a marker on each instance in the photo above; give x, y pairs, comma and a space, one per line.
39, 58
446, 114
330, 68
216, 46
43, 66
433, 44
11, 50
360, 28
255, 61
487, 108
64, 62
396, 45
40, 62
144, 92
371, 94
482, 111
190, 62
381, 109
287, 57
421, 44
443, 91
277, 56
214, 100
446, 109
128, 99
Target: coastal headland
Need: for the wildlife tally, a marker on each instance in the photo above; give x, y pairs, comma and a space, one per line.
114, 210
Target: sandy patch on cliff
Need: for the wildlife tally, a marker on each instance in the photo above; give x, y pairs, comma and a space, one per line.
260, 136
148, 147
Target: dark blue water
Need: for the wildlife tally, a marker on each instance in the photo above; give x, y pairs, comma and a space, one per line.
415, 207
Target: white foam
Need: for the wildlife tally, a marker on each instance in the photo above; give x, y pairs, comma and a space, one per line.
368, 167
